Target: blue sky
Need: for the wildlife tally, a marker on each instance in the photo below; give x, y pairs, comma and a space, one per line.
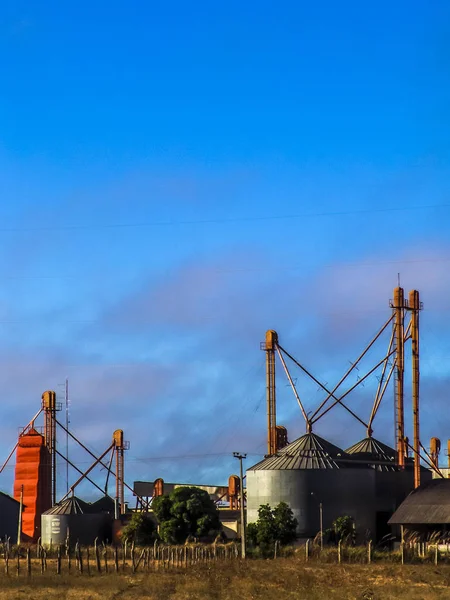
175, 179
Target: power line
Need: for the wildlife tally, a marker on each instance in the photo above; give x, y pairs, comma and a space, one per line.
278, 269
223, 220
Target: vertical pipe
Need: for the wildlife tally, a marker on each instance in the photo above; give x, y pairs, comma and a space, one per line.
414, 305
271, 342
399, 310
67, 435
49, 406
119, 448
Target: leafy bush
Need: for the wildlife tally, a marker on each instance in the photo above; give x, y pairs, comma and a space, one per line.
187, 511
140, 529
273, 525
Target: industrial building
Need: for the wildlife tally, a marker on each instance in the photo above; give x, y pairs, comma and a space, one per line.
318, 480
369, 480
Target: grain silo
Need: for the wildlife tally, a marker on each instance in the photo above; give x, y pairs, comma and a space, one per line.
392, 483
310, 472
74, 519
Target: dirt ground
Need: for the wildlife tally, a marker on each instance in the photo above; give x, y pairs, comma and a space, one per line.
238, 580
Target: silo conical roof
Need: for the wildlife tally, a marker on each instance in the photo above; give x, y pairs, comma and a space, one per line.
307, 452
69, 506
378, 455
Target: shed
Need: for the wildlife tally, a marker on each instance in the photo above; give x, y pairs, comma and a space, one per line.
426, 510
9, 516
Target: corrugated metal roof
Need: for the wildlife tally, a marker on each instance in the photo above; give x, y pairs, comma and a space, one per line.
307, 452
378, 455
70, 506
429, 504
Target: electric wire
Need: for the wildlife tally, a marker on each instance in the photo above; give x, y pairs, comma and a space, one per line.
223, 220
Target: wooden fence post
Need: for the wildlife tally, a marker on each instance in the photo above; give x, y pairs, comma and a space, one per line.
132, 558
402, 552
97, 557
369, 552
307, 550
80, 560
105, 557
77, 561
69, 565
339, 552
116, 559
436, 554
6, 560
58, 561
28, 562
88, 563
18, 561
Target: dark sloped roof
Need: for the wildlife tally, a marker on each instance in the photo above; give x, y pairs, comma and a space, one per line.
70, 506
8, 497
429, 504
378, 455
103, 504
307, 452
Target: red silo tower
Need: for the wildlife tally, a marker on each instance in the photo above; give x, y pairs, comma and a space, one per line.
34, 473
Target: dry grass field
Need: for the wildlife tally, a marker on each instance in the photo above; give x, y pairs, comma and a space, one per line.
285, 578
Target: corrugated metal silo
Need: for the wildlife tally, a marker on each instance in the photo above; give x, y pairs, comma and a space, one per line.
307, 472
392, 484
74, 518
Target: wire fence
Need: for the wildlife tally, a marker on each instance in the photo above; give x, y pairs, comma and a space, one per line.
103, 559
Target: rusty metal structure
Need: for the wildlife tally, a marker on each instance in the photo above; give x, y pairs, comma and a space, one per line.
35, 472
270, 346
435, 448
391, 364
233, 491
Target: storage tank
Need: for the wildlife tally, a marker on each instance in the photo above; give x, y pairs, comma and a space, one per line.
306, 473
33, 476
392, 484
74, 519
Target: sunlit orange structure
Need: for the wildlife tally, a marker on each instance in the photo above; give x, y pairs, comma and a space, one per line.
233, 491
33, 472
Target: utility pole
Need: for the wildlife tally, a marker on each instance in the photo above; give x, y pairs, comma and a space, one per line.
19, 527
240, 457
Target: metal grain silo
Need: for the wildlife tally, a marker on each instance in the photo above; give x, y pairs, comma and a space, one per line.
392, 483
306, 473
74, 519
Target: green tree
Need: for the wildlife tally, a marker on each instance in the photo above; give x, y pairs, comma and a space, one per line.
285, 523
140, 529
344, 528
273, 525
187, 511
